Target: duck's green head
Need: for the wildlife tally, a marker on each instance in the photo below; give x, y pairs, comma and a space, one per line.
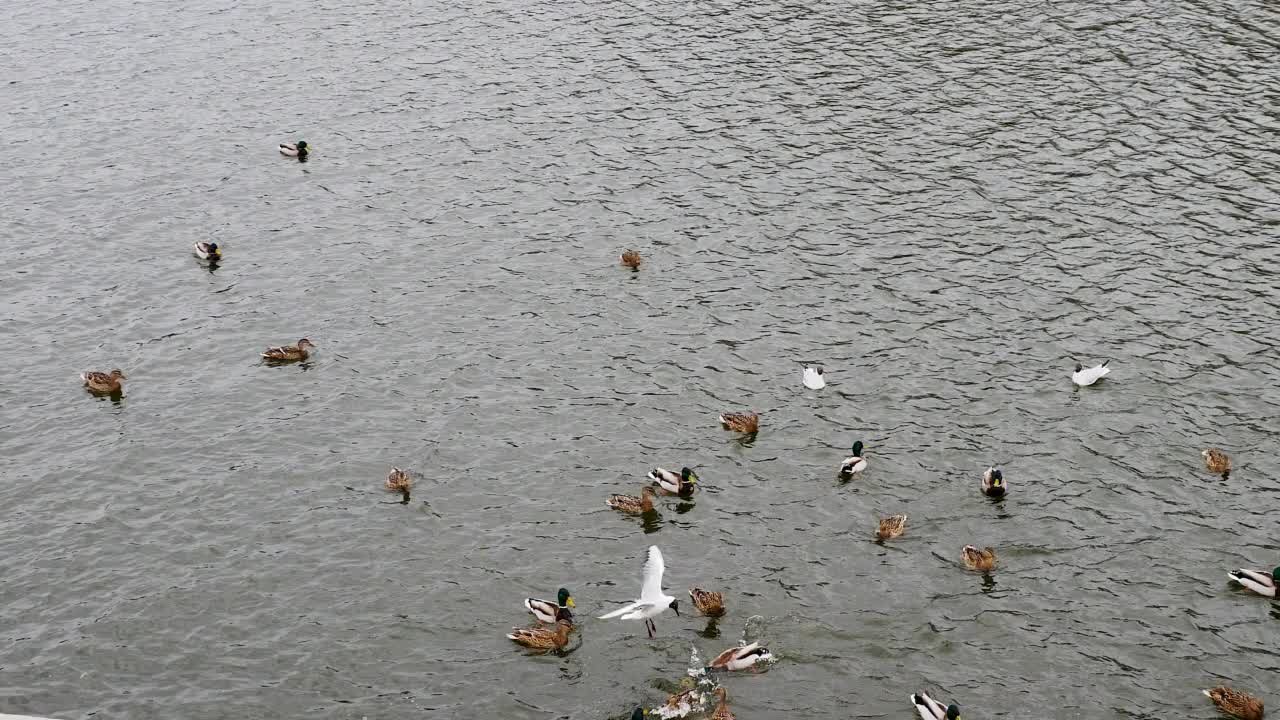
997, 478
1275, 575
857, 448
565, 599
688, 475
214, 251
302, 146
953, 712
639, 714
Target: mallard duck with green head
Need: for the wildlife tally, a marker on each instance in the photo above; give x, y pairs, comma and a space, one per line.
742, 657
672, 484
993, 485
299, 149
208, 251
855, 463
1258, 581
549, 612
931, 709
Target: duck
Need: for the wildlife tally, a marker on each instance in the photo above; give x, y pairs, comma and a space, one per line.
1217, 461
1235, 703
208, 251
673, 484
399, 481
299, 149
631, 259
747, 422
1084, 376
100, 383
708, 603
891, 527
289, 353
539, 638
813, 378
741, 657
975, 559
1258, 581
931, 709
682, 703
549, 612
722, 708
855, 463
631, 504
993, 484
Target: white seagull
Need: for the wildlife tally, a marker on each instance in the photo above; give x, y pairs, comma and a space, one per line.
1087, 376
813, 378
652, 600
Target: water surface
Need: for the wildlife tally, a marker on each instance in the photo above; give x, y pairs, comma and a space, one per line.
946, 204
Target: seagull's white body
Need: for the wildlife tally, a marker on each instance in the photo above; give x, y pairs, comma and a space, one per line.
1089, 376
813, 378
652, 600
928, 708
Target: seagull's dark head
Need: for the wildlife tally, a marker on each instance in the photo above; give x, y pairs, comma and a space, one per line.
675, 605
1079, 367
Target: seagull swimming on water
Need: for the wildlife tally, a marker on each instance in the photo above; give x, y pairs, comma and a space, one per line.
813, 378
1087, 376
652, 600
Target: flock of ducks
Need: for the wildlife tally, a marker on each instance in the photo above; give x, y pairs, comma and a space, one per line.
653, 601
101, 383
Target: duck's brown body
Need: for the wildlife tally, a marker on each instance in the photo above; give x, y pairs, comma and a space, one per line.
722, 709
1217, 461
290, 353
100, 383
891, 527
747, 422
975, 559
708, 603
1236, 703
538, 638
631, 504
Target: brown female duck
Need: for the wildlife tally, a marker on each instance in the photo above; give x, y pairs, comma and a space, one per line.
100, 383
289, 353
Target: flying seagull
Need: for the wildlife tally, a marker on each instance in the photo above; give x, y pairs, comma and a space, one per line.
652, 600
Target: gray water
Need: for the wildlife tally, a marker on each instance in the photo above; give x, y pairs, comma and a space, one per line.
946, 204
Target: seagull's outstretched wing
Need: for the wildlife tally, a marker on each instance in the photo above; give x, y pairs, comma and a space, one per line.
651, 590
620, 611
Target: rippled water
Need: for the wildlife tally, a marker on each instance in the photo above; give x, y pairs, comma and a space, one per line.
946, 204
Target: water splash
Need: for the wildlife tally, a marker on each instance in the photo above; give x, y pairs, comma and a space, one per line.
694, 696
